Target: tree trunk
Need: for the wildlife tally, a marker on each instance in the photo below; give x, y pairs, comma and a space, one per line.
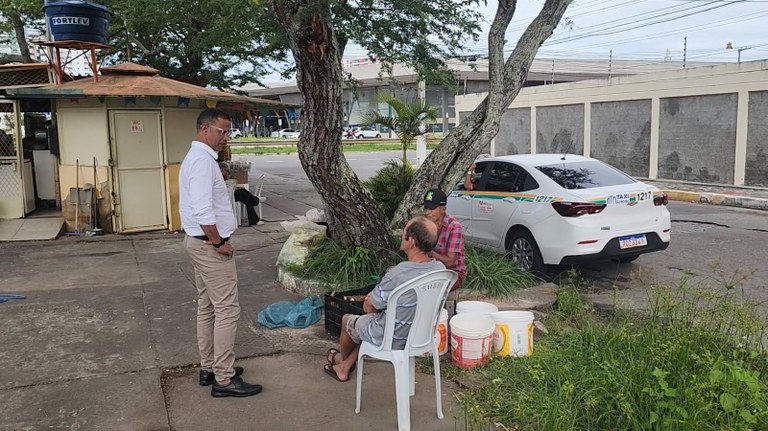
353, 216
445, 165
21, 37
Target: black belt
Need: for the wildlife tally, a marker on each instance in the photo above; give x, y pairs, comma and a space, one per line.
205, 238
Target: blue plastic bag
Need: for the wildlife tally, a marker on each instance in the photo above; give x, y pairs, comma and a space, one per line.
291, 313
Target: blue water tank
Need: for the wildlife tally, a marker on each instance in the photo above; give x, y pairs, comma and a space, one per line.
77, 20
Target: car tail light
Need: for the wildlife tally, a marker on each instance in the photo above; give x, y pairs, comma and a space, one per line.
576, 209
661, 199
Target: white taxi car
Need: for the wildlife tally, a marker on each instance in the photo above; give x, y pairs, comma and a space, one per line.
551, 209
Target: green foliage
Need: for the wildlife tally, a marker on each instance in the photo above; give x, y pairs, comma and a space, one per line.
671, 371
345, 268
419, 33
220, 43
390, 184
17, 17
493, 274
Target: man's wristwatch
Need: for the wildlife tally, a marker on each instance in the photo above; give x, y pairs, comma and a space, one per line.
470, 172
219, 244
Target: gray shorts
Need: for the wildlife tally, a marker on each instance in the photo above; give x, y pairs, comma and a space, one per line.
356, 327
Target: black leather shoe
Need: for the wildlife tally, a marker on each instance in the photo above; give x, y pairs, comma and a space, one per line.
207, 377
236, 388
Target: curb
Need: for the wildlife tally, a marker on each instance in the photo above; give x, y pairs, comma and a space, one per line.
299, 285
717, 199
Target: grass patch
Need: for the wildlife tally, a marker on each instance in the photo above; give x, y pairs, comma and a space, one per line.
348, 147
690, 365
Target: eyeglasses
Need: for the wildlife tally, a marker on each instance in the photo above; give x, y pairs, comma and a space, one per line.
222, 132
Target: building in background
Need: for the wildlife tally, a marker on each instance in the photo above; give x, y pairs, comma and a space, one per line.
471, 78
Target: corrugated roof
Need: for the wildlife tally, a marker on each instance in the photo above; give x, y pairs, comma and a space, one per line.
131, 79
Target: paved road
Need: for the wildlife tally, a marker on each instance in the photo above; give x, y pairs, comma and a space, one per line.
713, 244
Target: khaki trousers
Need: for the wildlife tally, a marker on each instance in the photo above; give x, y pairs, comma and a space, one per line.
218, 308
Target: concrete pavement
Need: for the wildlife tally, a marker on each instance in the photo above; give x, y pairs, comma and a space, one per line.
106, 340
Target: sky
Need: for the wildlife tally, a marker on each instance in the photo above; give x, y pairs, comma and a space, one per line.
652, 30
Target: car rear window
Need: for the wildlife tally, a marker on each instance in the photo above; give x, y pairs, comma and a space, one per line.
585, 175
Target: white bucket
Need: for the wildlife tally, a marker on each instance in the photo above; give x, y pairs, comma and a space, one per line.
471, 339
514, 333
478, 307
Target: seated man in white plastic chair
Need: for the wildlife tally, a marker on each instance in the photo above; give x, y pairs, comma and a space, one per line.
417, 241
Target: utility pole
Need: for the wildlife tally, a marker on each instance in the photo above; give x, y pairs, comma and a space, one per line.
685, 50
421, 140
610, 61
729, 45
553, 70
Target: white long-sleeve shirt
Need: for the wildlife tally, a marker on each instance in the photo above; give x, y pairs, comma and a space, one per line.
203, 196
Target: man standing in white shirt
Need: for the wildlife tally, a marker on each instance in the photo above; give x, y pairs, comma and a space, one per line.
209, 222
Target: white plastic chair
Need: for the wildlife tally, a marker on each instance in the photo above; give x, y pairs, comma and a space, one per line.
241, 213
231, 186
431, 291
257, 192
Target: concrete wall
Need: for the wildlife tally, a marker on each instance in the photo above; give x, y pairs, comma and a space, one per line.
697, 138
705, 124
179, 127
756, 169
515, 132
621, 135
560, 129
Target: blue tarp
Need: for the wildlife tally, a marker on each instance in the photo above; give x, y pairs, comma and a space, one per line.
292, 314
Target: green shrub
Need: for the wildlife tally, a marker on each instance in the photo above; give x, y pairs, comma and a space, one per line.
390, 184
345, 268
493, 273
351, 268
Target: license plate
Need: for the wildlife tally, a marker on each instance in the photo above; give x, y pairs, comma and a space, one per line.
632, 241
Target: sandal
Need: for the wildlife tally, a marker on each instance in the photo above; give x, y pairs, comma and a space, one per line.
328, 368
330, 356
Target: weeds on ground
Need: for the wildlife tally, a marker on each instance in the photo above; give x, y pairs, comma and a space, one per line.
695, 363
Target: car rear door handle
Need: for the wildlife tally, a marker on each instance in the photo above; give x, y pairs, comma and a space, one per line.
510, 200
466, 197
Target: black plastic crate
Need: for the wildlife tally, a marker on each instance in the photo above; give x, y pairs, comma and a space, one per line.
336, 306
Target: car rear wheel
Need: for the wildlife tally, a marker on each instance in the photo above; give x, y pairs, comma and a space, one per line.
523, 250
378, 135
626, 259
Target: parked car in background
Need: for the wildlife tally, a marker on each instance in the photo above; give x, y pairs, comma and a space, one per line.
235, 133
362, 133
285, 134
552, 209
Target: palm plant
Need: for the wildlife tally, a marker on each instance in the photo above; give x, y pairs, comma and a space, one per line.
407, 119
